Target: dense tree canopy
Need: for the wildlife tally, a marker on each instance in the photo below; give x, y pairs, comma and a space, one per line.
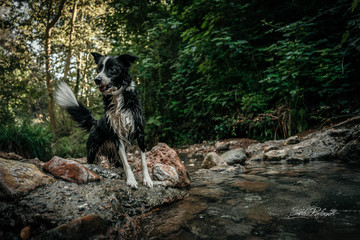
214, 69
207, 69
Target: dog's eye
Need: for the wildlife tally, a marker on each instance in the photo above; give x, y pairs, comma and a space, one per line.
112, 70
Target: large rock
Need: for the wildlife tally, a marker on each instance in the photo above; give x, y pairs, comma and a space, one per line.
236, 156
47, 207
350, 152
165, 174
18, 178
165, 155
334, 143
222, 146
275, 155
70, 170
212, 159
81, 228
48, 211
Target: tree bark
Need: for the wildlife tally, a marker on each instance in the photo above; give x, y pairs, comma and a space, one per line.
78, 75
72, 28
50, 23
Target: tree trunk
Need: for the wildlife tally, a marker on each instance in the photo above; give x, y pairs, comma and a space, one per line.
49, 81
78, 75
72, 27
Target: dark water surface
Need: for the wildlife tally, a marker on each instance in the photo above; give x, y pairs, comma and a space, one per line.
269, 200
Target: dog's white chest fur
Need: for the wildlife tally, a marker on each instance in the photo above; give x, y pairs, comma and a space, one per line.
121, 120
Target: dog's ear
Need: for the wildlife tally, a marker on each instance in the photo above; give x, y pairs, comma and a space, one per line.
127, 59
96, 56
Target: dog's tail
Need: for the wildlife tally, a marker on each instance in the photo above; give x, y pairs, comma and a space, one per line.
79, 113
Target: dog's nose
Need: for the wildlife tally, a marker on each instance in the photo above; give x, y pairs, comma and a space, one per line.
97, 81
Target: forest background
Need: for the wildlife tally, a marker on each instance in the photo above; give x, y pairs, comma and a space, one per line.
207, 69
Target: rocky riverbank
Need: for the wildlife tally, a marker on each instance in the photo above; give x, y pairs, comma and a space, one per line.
340, 142
304, 187
64, 199
67, 199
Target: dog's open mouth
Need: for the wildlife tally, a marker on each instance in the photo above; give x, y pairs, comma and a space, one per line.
102, 88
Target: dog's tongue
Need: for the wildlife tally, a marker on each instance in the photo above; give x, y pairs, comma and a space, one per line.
101, 88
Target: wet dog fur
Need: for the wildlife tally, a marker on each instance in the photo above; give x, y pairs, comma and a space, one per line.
123, 119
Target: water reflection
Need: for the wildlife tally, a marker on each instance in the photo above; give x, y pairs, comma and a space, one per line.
319, 200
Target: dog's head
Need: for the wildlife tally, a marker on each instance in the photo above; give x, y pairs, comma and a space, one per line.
113, 71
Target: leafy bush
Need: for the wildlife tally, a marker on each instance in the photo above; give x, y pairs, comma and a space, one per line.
29, 141
217, 69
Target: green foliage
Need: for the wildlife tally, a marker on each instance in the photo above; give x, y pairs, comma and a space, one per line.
207, 69
29, 141
71, 146
254, 103
216, 69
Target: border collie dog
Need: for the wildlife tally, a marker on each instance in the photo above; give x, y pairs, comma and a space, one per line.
123, 119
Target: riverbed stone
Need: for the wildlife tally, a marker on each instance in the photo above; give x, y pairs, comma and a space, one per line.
212, 159
292, 140
251, 186
163, 154
70, 170
18, 178
81, 228
50, 206
258, 214
275, 155
236, 156
222, 146
324, 145
350, 152
165, 173
184, 212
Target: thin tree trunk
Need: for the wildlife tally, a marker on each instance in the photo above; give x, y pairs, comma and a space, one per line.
72, 27
78, 74
79, 58
49, 81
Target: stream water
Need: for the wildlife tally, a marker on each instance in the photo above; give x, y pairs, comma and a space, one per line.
269, 200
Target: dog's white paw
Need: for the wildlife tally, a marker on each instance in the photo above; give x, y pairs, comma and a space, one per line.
148, 182
132, 183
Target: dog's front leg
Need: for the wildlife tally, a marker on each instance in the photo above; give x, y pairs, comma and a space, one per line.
130, 179
147, 179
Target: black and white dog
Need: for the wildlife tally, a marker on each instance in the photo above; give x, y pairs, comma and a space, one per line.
123, 119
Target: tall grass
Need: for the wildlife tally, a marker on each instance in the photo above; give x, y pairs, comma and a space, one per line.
29, 141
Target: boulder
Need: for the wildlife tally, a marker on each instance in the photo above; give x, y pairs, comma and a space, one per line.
350, 152
292, 140
212, 159
165, 174
258, 149
221, 146
165, 155
236, 156
275, 155
18, 178
70, 170
47, 207
328, 144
